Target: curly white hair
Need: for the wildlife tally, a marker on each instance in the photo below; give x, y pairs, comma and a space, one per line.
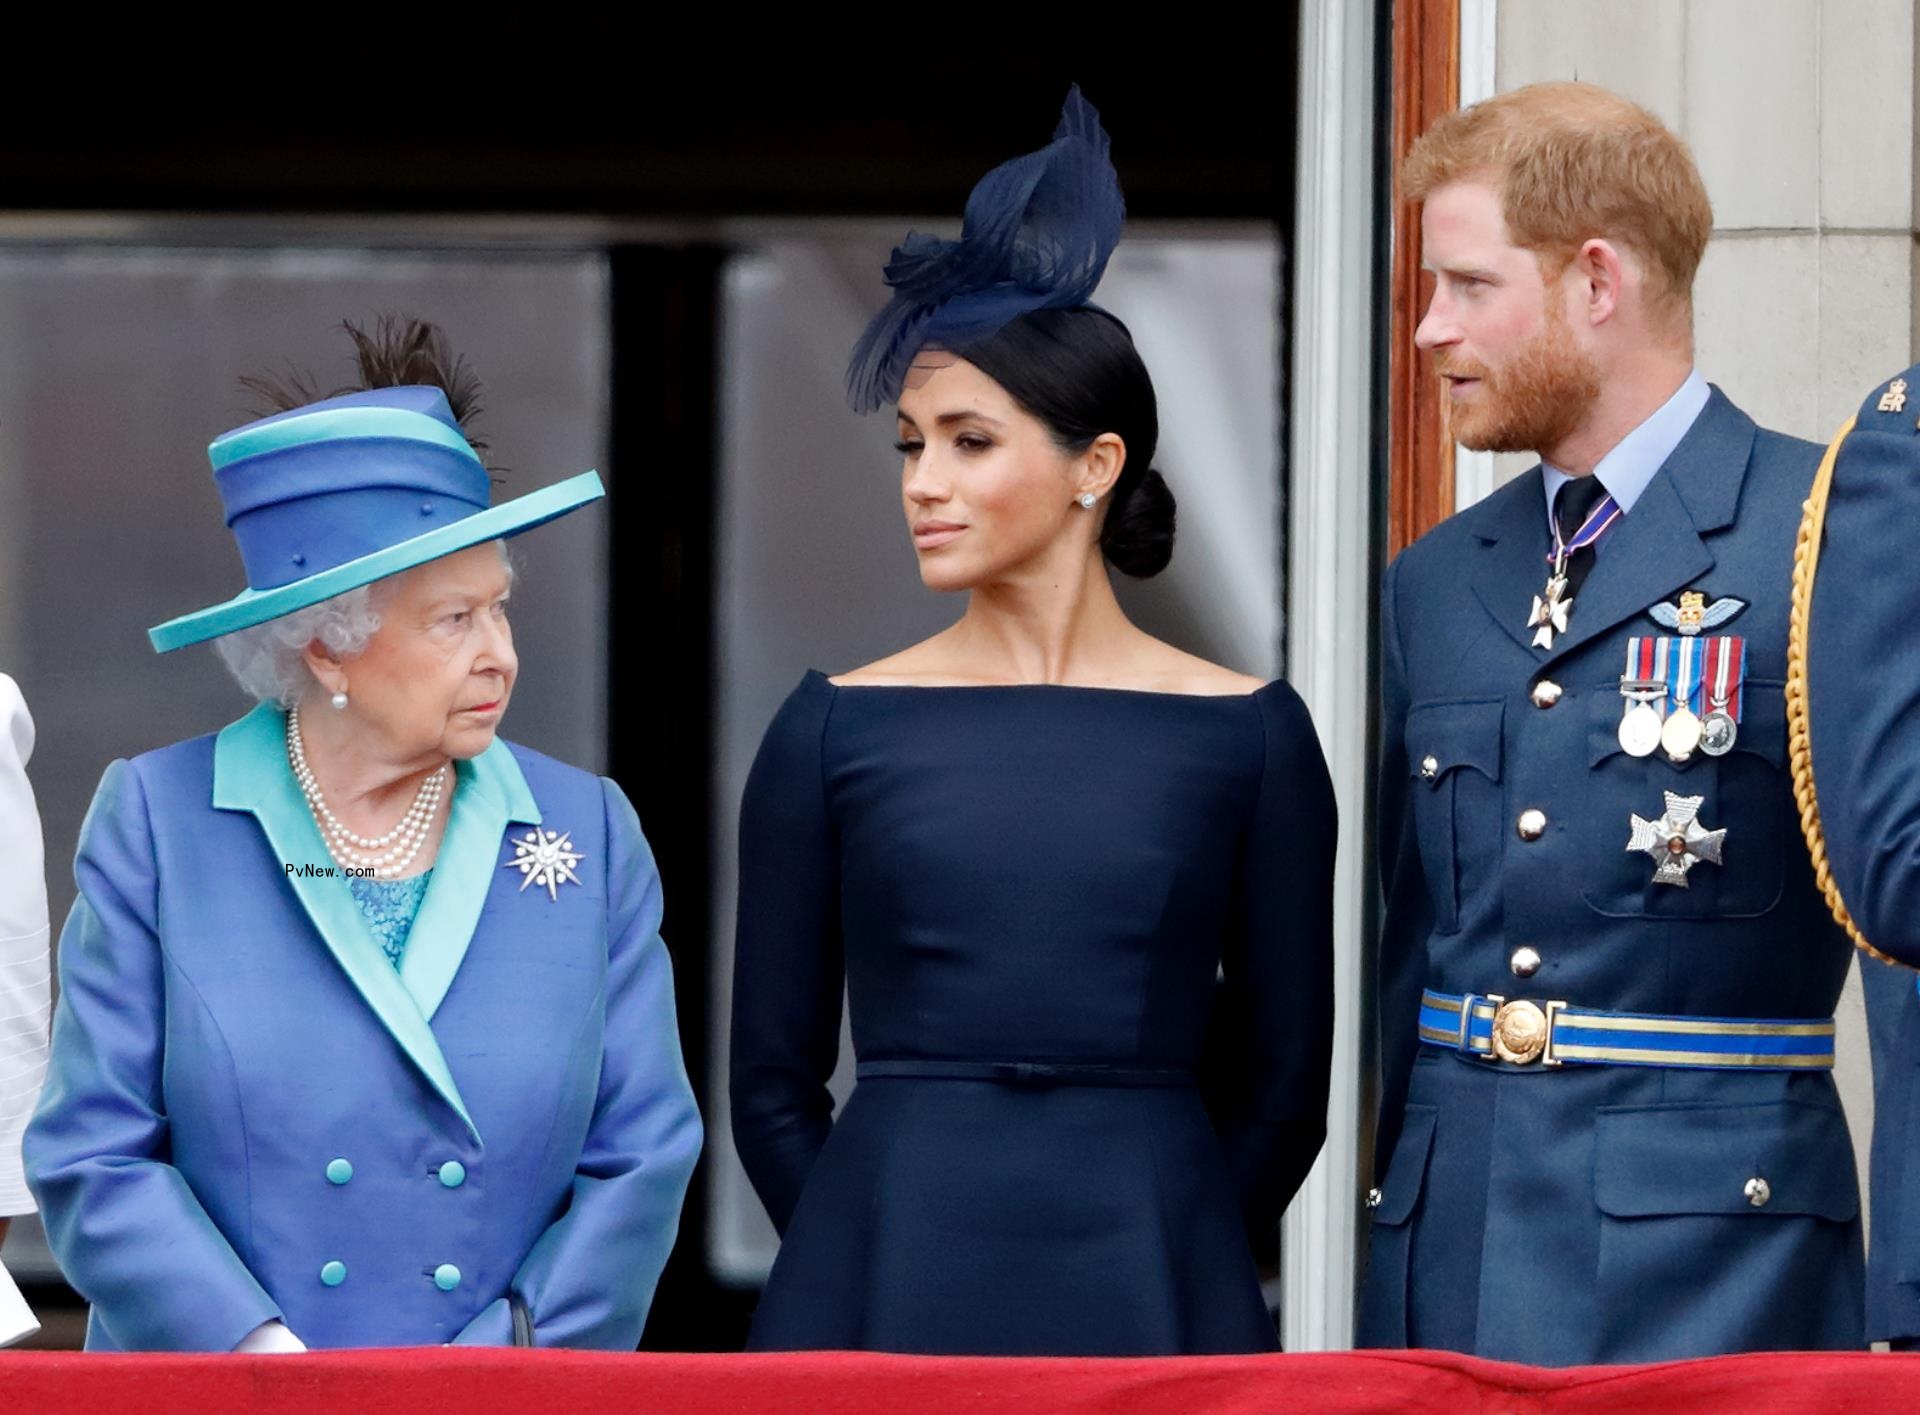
269, 660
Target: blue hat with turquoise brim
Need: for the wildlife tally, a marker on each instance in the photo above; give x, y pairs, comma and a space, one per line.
343, 492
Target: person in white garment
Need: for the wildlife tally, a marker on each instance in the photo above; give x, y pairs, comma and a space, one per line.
25, 998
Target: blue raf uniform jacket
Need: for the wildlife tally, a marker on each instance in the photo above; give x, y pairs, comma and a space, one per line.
1595, 1213
1863, 721
252, 1115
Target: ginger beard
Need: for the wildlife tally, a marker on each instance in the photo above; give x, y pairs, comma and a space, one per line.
1534, 401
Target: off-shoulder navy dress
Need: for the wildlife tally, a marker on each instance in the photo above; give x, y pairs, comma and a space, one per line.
1056, 913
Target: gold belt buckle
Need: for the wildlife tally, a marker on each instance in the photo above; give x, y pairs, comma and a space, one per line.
1523, 1031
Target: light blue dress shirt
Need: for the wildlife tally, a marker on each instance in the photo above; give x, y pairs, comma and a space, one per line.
1637, 457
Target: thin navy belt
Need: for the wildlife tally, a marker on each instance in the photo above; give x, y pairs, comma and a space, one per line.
1027, 1073
1522, 1033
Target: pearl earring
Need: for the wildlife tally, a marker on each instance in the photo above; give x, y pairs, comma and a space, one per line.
1087, 499
339, 701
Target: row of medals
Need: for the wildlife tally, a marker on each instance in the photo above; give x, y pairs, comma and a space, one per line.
1642, 730
1682, 733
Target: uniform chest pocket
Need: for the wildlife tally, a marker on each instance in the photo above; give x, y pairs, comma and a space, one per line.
1746, 792
1453, 760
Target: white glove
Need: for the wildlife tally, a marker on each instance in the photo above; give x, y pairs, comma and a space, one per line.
271, 1339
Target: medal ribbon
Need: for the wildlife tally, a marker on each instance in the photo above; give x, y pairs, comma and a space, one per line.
1727, 672
1640, 659
1647, 663
1688, 679
1599, 521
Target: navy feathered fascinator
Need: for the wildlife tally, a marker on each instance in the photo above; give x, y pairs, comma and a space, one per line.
1038, 232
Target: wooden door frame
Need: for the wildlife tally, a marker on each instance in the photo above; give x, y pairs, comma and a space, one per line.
1425, 85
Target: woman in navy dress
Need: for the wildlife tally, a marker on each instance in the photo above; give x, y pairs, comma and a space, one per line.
1055, 863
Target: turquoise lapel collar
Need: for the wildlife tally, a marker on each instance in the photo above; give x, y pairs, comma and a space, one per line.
490, 793
250, 773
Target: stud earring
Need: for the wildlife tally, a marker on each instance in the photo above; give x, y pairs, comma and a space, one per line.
339, 701
1087, 499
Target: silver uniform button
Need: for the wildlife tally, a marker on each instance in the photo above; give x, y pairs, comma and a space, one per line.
1532, 824
1545, 693
1758, 1191
1525, 962
1429, 767
1373, 1198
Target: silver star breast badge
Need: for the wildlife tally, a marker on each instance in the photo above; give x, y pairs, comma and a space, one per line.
546, 858
1677, 841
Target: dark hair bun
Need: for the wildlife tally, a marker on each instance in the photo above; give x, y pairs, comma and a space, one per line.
1078, 372
1138, 536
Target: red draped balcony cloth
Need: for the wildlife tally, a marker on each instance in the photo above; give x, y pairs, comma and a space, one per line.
494, 1382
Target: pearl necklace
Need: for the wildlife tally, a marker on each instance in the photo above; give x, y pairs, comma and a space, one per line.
387, 856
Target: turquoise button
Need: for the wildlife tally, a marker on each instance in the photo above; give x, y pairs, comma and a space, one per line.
446, 1277
453, 1174
334, 1273
339, 1172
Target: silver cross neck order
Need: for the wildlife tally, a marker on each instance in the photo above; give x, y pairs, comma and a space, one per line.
1550, 611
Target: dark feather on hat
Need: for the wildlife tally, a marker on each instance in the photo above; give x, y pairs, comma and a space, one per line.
398, 352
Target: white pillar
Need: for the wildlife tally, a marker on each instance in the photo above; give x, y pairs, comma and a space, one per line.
1330, 573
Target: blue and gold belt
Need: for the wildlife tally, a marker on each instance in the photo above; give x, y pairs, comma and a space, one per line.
1524, 1033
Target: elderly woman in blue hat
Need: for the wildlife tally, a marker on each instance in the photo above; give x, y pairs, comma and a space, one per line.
366, 1031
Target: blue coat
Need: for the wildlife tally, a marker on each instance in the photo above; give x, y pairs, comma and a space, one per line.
1601, 1213
1863, 697
1893, 1257
252, 1115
